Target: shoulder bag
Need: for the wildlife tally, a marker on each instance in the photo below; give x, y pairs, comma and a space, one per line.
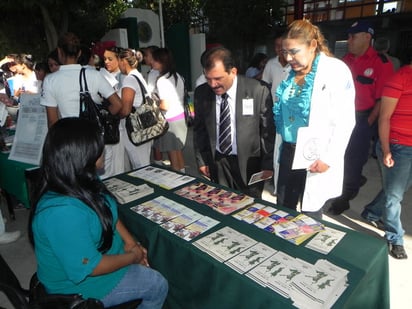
146, 121
99, 113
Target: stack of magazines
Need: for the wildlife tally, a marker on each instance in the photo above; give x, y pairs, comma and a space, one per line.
163, 178
224, 244
326, 240
219, 199
126, 192
283, 224
298, 229
308, 285
174, 217
319, 287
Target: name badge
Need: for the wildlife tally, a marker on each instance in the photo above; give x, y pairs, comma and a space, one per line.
247, 107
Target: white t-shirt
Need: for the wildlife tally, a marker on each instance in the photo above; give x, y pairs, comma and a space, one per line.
274, 73
62, 89
151, 79
171, 93
131, 82
31, 84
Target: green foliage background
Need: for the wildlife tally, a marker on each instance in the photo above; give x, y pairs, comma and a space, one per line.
33, 26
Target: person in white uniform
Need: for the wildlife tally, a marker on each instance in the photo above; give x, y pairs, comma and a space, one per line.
132, 97
114, 155
61, 90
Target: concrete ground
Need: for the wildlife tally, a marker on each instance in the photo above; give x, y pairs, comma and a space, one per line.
21, 258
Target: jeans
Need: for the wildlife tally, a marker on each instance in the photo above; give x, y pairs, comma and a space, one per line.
139, 282
395, 181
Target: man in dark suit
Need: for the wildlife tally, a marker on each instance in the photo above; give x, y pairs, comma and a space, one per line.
250, 130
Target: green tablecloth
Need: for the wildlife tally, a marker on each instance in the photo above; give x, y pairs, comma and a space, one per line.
12, 178
198, 281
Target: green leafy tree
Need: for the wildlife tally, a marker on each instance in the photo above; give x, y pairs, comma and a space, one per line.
37, 24
241, 24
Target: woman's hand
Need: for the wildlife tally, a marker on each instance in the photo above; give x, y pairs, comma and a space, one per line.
318, 167
140, 253
387, 160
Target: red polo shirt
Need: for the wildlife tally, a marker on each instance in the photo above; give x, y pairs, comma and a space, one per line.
399, 87
370, 73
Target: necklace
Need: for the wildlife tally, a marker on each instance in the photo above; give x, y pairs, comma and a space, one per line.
293, 105
295, 90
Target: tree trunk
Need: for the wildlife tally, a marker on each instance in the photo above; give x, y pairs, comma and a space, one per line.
49, 28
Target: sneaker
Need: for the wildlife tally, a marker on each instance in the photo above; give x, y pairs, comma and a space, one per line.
8, 237
398, 252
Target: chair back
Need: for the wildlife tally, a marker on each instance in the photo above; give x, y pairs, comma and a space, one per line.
10, 286
40, 299
32, 179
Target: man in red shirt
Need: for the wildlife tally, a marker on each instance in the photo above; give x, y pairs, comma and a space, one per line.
394, 151
370, 71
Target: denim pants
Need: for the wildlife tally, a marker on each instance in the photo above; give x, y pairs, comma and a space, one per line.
395, 182
139, 282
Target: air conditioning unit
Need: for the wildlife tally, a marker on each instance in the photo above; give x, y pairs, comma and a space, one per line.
148, 26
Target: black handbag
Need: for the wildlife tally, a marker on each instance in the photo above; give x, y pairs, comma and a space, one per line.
146, 121
99, 113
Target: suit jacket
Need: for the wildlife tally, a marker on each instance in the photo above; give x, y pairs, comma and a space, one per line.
255, 134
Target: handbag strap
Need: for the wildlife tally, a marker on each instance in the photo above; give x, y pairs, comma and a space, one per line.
142, 87
82, 77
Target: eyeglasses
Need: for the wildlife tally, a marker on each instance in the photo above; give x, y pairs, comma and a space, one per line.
292, 52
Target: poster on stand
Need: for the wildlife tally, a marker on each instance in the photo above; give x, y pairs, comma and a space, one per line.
31, 130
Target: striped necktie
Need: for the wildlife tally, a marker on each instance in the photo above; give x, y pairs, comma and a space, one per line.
225, 139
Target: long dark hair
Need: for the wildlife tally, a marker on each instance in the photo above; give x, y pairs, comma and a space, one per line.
68, 167
165, 57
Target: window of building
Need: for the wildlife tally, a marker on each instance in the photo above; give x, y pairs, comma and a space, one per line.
324, 10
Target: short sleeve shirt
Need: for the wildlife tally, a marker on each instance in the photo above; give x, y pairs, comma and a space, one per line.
370, 73
67, 236
171, 92
131, 82
399, 87
62, 89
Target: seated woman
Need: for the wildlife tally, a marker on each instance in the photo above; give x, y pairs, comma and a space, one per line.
80, 244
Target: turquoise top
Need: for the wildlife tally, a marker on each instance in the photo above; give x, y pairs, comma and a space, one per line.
292, 104
67, 236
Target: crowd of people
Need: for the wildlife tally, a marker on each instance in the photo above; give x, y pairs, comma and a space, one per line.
243, 125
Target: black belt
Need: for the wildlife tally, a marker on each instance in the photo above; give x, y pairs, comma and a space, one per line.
219, 155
